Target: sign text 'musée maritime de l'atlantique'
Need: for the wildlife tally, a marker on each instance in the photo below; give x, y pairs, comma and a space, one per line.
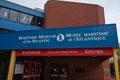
75, 37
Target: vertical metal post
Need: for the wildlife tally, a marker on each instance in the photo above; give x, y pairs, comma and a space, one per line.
115, 57
11, 66
118, 53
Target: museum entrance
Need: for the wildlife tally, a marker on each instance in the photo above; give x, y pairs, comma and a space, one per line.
75, 68
60, 68
67, 64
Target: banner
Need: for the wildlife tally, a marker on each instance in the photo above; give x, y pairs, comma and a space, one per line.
101, 36
67, 52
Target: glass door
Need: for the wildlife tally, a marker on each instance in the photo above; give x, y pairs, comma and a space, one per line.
31, 70
59, 72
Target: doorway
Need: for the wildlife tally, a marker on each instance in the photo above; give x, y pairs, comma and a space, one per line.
59, 71
31, 70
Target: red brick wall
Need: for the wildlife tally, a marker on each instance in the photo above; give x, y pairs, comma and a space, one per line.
60, 14
66, 14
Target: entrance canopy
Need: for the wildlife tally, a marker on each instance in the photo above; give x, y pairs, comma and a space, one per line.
101, 36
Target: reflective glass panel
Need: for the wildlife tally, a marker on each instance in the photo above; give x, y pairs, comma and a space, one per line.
32, 20
24, 18
13, 15
4, 12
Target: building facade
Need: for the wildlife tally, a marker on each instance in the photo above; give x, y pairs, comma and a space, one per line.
58, 14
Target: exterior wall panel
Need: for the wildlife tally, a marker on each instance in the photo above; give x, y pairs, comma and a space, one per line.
61, 14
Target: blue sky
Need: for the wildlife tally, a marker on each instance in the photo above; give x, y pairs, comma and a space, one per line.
111, 8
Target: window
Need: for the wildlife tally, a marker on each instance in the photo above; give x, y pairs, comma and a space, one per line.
4, 12
24, 18
21, 17
32, 20
13, 15
39, 21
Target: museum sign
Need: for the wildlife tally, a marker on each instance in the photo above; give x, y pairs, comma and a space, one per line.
100, 36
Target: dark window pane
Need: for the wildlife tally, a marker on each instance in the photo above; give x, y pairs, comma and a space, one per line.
4, 13
40, 22
24, 18
13, 15
32, 20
